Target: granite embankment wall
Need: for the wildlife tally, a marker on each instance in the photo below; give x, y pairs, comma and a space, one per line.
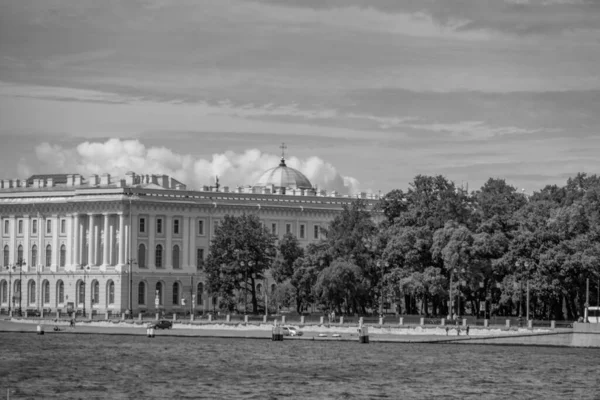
582, 335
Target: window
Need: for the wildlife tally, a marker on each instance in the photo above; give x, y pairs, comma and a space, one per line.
176, 257
176, 227
4, 289
46, 290
141, 293
31, 292
288, 228
49, 227
6, 255
259, 288
34, 255
111, 292
159, 293
272, 288
142, 225
201, 227
63, 226
142, 256
215, 226
159, 225
95, 292
158, 257
316, 232
63, 255
34, 226
199, 258
199, 292
302, 231
20, 253
274, 229
60, 292
20, 227
6, 226
48, 255
175, 293
81, 293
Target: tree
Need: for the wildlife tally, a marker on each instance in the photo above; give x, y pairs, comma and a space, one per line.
240, 252
340, 285
289, 251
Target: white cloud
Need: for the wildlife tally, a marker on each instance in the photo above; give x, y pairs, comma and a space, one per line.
116, 157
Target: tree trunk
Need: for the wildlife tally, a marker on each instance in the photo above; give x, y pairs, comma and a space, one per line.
254, 301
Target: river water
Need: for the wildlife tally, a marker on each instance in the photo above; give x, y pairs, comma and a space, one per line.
72, 366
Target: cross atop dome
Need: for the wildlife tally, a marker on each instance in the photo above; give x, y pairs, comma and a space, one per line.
282, 147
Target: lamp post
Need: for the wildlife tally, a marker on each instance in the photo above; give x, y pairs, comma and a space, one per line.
84, 288
382, 265
523, 265
11, 296
130, 262
245, 265
20, 263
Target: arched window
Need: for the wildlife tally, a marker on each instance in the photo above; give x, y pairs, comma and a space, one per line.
20, 253
48, 255
159, 257
6, 256
272, 288
176, 257
259, 288
81, 293
95, 292
175, 293
159, 293
34, 256
31, 292
142, 256
141, 293
199, 292
63, 255
46, 290
60, 292
111, 292
4, 290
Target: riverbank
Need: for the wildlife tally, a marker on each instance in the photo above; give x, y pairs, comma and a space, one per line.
405, 334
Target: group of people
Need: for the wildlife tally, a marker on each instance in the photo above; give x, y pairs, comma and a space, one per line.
457, 330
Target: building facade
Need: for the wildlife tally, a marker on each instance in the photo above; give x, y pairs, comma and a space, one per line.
103, 244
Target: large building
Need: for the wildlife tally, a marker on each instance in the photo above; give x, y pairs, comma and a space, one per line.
108, 244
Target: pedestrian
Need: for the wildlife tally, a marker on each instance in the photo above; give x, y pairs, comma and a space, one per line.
447, 330
457, 331
467, 330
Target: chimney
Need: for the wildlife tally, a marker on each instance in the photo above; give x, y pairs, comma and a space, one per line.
93, 180
50, 182
77, 180
130, 178
70, 180
105, 179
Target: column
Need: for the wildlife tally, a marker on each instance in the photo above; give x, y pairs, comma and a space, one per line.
169, 243
185, 243
75, 243
26, 238
81, 242
55, 245
105, 246
134, 237
69, 255
121, 239
151, 240
91, 241
111, 244
192, 243
41, 255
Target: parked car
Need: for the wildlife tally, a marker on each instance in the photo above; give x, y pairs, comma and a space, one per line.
291, 331
162, 324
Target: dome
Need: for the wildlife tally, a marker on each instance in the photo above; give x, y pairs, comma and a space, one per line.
283, 176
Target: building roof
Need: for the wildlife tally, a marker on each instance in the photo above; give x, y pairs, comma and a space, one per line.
56, 178
283, 176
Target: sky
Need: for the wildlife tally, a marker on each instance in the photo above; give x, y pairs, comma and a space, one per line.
366, 94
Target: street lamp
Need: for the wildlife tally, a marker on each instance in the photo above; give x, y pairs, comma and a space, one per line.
245, 265
84, 286
382, 265
11, 291
130, 262
20, 263
521, 265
